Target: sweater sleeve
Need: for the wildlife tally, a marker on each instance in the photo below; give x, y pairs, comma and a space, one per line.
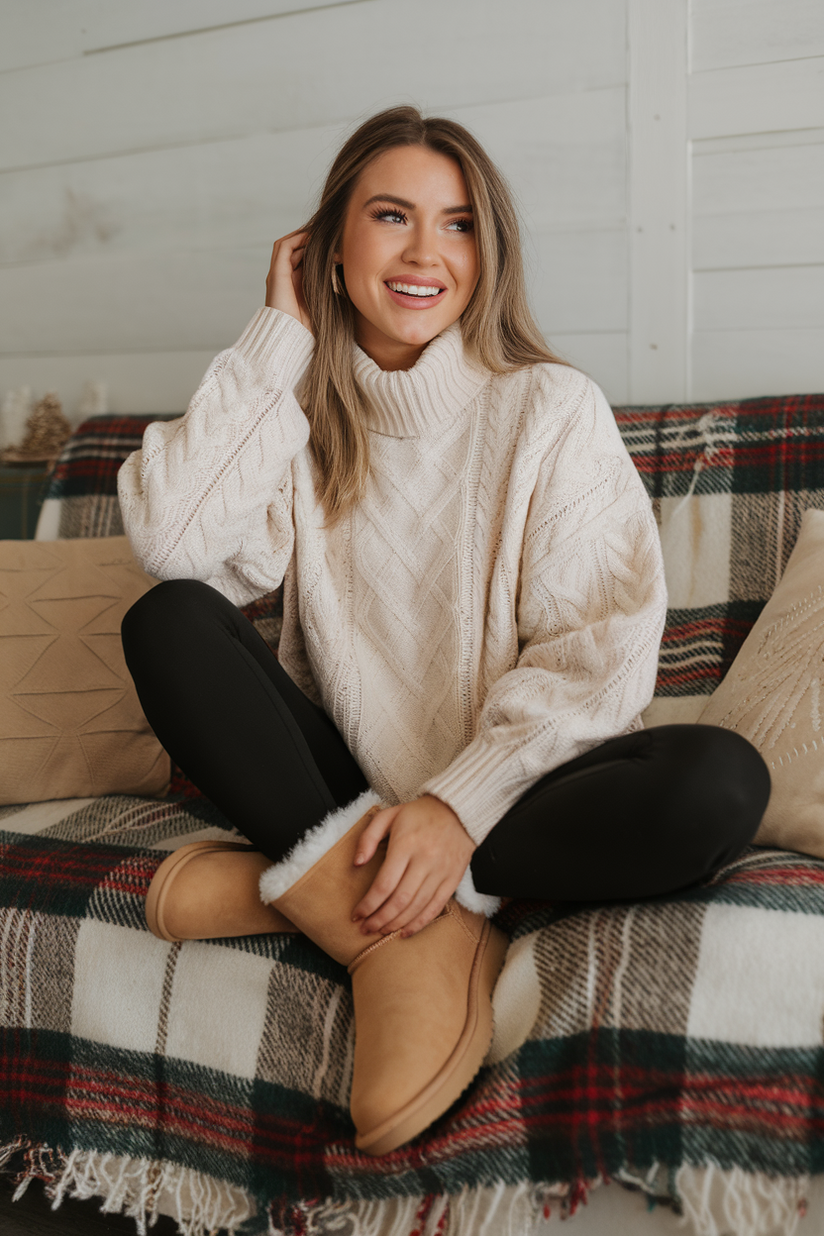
209, 496
591, 605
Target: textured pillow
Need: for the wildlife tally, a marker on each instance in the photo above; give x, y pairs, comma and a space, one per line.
71, 725
773, 696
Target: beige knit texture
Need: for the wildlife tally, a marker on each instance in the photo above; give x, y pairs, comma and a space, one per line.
493, 606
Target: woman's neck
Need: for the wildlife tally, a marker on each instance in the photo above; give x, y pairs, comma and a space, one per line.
388, 354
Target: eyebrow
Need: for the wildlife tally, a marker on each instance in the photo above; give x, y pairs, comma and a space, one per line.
400, 201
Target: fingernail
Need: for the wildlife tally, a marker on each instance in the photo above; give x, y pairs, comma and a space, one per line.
356, 918
358, 860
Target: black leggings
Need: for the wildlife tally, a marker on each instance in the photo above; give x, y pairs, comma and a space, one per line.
640, 815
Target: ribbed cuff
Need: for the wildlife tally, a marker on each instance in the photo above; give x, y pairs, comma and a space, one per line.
479, 788
276, 340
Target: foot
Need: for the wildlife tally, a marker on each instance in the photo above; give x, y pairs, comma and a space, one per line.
209, 890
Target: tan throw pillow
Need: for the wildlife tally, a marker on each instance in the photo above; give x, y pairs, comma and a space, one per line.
773, 695
71, 725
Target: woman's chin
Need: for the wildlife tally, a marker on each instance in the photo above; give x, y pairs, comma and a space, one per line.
395, 337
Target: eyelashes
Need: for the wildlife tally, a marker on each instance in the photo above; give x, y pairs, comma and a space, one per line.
394, 213
384, 212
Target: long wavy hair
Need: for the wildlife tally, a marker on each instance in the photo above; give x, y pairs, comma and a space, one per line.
497, 325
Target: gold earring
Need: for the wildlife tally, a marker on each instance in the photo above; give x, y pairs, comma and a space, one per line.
336, 285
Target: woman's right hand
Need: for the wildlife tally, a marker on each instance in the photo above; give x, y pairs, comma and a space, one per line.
284, 283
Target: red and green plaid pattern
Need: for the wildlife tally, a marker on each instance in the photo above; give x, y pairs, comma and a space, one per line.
729, 483
629, 1061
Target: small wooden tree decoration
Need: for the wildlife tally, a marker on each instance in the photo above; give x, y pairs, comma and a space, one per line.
46, 431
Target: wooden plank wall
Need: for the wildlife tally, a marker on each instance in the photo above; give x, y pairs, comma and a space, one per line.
756, 124
158, 149
153, 151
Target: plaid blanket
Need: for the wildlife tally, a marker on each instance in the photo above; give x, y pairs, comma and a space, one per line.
675, 1045
729, 483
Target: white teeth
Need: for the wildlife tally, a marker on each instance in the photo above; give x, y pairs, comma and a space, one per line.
412, 289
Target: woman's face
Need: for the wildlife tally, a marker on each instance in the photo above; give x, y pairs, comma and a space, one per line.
408, 226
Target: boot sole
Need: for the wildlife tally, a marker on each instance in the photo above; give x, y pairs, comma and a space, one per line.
461, 1067
164, 877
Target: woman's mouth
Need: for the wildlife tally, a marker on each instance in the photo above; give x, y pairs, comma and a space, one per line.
413, 295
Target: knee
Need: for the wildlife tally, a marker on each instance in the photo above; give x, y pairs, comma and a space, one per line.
164, 612
723, 779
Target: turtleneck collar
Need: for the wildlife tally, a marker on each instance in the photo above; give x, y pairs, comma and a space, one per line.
405, 403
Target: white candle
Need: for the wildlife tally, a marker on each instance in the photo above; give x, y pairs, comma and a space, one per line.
14, 413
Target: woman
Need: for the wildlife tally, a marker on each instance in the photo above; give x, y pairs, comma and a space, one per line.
474, 599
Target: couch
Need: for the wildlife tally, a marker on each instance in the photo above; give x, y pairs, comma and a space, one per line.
672, 1048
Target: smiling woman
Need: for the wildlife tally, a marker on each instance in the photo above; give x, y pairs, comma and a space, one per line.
473, 602
406, 198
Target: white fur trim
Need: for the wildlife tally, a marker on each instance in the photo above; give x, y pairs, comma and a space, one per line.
469, 897
279, 878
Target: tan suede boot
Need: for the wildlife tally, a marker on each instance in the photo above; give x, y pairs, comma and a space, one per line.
208, 890
423, 1012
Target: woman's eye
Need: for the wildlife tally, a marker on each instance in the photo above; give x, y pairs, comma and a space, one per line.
461, 225
394, 216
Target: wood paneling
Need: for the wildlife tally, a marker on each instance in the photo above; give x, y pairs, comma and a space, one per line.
564, 156
261, 77
580, 280
136, 381
759, 238
739, 32
144, 185
32, 35
730, 364
736, 142
758, 98
117, 25
756, 110
60, 29
603, 356
760, 206
776, 298
211, 195
784, 177
143, 302
657, 233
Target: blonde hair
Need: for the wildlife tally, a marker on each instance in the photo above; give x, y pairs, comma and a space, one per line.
497, 324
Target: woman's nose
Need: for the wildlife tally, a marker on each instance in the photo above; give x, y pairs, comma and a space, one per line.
421, 246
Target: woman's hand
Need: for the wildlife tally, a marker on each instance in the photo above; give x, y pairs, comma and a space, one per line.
429, 851
284, 283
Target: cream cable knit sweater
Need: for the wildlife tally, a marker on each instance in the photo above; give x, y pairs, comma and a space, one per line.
493, 606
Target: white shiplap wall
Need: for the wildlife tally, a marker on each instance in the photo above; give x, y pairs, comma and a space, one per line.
149, 169
756, 123
151, 153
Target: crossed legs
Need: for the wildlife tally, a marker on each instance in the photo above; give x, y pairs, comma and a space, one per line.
638, 816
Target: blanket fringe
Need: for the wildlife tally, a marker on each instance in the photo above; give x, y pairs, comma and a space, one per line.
9, 1151
716, 1201
501, 1210
140, 1189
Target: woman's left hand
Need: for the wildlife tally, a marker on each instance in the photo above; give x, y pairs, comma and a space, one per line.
429, 851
